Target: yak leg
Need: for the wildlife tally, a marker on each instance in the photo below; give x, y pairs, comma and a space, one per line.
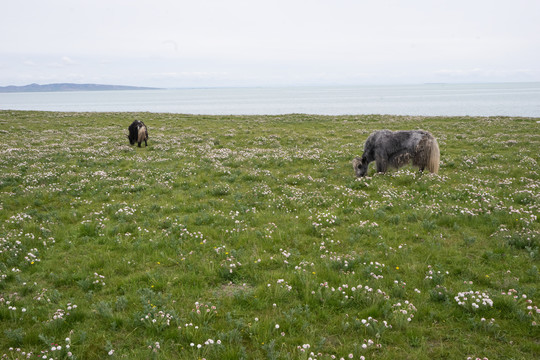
422, 166
382, 162
139, 144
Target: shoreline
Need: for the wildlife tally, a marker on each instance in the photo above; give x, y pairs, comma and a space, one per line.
508, 99
345, 116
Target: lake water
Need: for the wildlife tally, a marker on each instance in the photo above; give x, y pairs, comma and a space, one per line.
505, 99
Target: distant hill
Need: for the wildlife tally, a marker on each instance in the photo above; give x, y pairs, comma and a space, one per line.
68, 87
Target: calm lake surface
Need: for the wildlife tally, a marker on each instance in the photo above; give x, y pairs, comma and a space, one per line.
505, 99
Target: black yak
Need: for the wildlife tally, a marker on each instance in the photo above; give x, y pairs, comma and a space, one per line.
138, 133
398, 148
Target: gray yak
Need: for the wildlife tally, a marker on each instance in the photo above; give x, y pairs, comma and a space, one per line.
398, 148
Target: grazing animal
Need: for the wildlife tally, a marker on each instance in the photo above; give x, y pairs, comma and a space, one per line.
138, 133
397, 149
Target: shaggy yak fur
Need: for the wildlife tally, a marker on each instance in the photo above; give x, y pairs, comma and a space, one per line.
138, 133
396, 149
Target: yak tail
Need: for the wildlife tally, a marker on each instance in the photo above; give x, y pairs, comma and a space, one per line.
142, 134
433, 156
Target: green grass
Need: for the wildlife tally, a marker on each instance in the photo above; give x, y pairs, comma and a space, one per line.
248, 237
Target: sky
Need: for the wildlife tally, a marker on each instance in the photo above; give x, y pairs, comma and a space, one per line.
215, 43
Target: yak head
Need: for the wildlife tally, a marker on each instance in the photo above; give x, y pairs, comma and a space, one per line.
360, 166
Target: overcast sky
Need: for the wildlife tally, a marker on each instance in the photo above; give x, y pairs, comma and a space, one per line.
200, 43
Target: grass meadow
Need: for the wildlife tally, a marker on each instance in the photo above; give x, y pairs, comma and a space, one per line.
249, 237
